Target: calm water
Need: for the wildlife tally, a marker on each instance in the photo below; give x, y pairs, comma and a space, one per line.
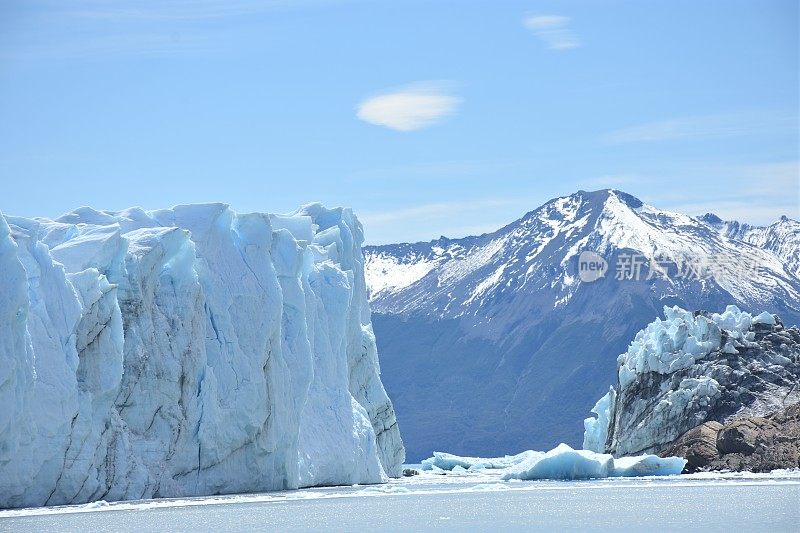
718, 503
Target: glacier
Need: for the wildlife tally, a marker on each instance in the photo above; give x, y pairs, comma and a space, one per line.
187, 351
560, 463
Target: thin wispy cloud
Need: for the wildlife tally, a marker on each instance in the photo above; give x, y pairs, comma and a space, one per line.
703, 126
410, 108
145, 43
444, 210
756, 194
460, 170
773, 178
553, 30
96, 28
177, 10
611, 182
452, 219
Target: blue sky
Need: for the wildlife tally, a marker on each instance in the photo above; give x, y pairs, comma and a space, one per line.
427, 117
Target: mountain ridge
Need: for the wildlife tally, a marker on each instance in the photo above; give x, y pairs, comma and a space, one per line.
507, 314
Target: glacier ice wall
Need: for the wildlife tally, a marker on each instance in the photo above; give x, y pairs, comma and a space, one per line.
187, 351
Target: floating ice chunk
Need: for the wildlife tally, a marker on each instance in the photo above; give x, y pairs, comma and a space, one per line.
563, 462
448, 461
99, 504
647, 465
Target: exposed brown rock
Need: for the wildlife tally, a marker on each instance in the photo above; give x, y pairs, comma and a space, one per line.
741, 436
698, 446
755, 444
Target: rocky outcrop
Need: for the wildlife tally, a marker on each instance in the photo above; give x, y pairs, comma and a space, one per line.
690, 376
755, 444
698, 446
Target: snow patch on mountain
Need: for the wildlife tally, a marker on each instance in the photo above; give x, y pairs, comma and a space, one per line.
387, 274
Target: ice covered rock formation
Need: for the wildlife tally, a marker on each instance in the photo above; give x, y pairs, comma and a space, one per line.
187, 351
691, 368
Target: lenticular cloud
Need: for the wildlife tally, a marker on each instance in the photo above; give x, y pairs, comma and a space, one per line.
409, 109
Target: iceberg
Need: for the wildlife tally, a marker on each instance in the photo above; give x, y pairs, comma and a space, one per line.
185, 352
560, 463
448, 461
648, 465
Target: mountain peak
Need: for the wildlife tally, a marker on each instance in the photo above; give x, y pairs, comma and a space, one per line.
601, 196
628, 199
710, 218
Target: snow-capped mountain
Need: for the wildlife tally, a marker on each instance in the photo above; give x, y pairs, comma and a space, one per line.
781, 238
502, 342
187, 351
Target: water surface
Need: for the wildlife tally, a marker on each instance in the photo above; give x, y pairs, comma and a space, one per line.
749, 502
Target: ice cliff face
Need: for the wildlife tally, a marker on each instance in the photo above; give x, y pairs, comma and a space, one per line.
188, 351
691, 368
494, 342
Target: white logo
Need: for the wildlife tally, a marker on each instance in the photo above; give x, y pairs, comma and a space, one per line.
591, 266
